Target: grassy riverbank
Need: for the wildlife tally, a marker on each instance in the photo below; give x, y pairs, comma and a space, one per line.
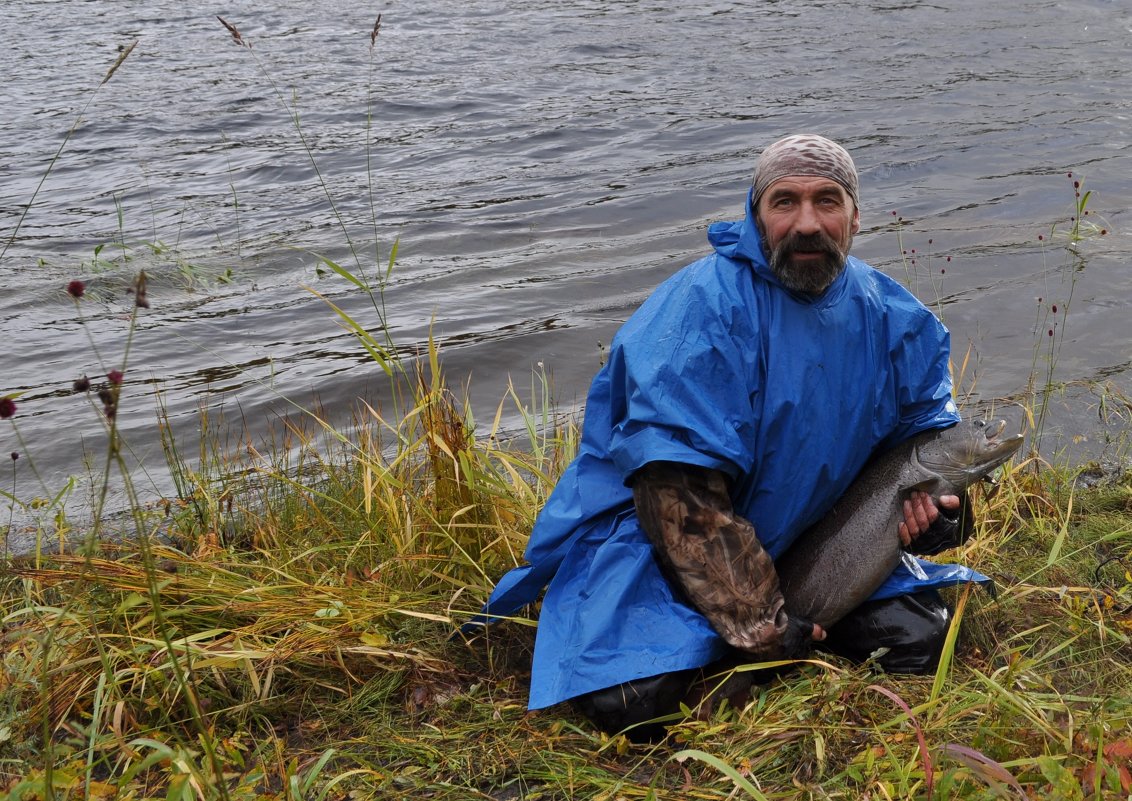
293, 637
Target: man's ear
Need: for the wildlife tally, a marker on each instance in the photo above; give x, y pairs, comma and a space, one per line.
856, 219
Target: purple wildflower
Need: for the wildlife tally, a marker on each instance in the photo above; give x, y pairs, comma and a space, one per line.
115, 376
7, 408
76, 289
109, 398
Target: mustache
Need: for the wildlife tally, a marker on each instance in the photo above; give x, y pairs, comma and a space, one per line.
811, 278
817, 243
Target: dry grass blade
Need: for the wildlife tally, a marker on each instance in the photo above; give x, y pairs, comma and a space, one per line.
994, 775
741, 782
121, 58
239, 39
376, 30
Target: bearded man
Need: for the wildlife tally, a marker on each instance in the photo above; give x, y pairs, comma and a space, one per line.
737, 404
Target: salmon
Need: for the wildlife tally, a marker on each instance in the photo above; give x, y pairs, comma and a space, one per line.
842, 559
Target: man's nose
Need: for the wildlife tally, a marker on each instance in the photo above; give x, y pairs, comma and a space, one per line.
807, 221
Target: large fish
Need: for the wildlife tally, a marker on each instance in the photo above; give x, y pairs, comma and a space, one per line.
842, 559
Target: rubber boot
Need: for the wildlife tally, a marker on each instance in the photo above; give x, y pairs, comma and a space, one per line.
912, 628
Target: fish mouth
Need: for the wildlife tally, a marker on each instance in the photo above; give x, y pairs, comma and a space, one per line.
992, 435
993, 428
992, 448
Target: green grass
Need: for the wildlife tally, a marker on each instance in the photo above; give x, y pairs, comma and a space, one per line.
296, 639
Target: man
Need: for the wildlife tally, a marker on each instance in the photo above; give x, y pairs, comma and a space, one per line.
737, 404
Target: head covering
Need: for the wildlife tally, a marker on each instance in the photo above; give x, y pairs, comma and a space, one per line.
805, 154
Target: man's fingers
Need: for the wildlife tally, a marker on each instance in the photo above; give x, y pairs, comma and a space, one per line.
819, 633
915, 519
925, 511
920, 512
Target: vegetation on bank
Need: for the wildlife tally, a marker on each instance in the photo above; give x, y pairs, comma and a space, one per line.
288, 625
288, 628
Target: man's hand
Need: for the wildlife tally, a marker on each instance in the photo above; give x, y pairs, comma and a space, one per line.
920, 512
799, 638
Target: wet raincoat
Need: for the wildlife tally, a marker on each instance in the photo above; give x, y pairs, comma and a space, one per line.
724, 368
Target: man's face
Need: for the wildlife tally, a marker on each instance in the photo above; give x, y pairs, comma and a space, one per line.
807, 224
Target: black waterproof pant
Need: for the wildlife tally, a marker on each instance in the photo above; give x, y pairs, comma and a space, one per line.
911, 627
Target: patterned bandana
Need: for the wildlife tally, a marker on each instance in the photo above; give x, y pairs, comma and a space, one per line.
805, 154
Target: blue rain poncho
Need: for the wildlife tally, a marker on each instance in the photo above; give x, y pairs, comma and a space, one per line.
724, 368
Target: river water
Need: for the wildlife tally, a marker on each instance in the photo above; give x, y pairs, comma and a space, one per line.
543, 165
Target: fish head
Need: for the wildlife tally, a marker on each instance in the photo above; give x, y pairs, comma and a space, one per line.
968, 451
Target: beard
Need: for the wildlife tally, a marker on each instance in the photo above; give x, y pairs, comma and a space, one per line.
811, 276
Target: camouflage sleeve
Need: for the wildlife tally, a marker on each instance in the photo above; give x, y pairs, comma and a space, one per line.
713, 556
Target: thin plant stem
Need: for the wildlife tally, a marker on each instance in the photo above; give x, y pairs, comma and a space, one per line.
62, 145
